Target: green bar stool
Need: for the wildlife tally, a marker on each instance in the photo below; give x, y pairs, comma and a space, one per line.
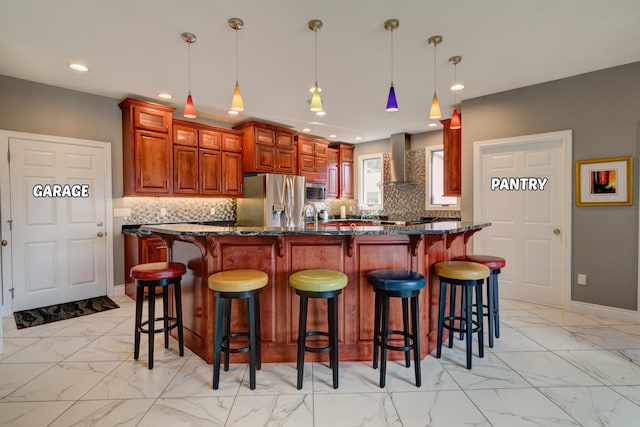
404, 284
494, 263
319, 283
468, 276
149, 276
227, 286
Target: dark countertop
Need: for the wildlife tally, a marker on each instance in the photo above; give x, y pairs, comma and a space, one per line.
134, 229
448, 227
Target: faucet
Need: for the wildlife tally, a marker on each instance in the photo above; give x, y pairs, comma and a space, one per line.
315, 213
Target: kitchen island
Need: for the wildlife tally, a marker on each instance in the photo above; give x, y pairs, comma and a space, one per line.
354, 250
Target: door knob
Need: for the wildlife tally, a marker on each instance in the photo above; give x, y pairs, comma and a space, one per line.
100, 234
556, 231
4, 243
99, 223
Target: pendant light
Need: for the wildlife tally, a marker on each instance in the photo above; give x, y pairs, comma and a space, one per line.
392, 103
435, 112
189, 109
455, 118
236, 102
316, 101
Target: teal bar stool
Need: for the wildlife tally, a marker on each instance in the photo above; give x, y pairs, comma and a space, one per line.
494, 264
404, 284
469, 276
319, 283
228, 286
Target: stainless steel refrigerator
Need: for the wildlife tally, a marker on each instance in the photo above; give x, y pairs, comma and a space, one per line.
272, 200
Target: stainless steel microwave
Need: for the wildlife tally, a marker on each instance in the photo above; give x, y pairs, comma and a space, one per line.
316, 192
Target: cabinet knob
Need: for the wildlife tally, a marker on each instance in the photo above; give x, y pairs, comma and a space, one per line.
100, 234
556, 231
4, 243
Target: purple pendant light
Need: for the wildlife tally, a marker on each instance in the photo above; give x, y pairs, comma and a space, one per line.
392, 102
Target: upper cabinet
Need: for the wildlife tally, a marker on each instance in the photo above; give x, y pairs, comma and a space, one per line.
343, 171
147, 149
267, 148
163, 156
312, 158
452, 143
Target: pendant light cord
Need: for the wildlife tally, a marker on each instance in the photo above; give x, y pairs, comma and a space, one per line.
435, 59
391, 57
189, 64
236, 30
315, 34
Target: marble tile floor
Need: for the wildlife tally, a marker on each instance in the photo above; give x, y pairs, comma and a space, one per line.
549, 368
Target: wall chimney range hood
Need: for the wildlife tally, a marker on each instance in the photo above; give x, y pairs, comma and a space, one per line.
398, 171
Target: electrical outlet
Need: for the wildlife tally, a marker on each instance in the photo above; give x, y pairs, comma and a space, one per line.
213, 211
582, 279
163, 211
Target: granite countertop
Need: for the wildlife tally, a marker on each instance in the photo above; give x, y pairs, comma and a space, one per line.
135, 229
444, 227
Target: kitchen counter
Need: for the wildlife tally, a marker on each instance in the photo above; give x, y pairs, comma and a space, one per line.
354, 250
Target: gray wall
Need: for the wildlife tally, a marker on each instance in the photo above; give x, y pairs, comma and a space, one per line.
603, 110
31, 107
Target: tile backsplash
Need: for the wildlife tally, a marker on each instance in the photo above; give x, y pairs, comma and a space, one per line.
148, 210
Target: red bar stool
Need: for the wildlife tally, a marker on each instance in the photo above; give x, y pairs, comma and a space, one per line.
494, 264
149, 276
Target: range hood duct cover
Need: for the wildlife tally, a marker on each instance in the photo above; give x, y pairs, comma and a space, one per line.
398, 171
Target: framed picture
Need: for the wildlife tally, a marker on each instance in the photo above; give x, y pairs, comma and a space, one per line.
604, 182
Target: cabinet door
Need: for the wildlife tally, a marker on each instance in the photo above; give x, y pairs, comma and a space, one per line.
265, 158
153, 163
306, 163
346, 154
231, 174
306, 147
320, 164
231, 142
285, 161
332, 181
284, 140
451, 140
185, 170
265, 136
210, 172
346, 180
320, 149
185, 135
152, 249
151, 119
210, 140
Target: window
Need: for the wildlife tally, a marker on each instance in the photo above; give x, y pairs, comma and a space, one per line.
435, 183
370, 180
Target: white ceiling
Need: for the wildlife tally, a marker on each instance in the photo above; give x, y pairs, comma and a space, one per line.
134, 48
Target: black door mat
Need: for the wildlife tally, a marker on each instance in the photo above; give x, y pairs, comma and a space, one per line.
67, 310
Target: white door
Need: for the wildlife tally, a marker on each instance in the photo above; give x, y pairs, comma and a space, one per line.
60, 251
531, 225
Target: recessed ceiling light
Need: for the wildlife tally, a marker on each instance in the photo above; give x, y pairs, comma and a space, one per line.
457, 87
306, 130
358, 138
333, 135
321, 113
233, 113
164, 95
316, 123
79, 67
432, 125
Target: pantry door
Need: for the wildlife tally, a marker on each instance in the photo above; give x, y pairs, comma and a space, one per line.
61, 248
531, 229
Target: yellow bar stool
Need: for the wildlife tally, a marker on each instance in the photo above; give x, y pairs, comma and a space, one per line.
319, 283
493, 263
227, 286
468, 276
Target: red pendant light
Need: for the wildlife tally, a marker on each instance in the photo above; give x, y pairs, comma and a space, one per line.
456, 122
189, 108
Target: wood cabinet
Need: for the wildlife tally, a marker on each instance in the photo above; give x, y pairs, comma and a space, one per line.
452, 142
141, 250
147, 148
267, 148
332, 173
206, 160
340, 177
312, 158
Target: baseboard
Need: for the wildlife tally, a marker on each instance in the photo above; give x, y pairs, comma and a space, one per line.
118, 290
613, 313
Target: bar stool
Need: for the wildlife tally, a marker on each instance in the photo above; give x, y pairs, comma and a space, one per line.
403, 284
318, 283
227, 286
494, 264
469, 276
149, 276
